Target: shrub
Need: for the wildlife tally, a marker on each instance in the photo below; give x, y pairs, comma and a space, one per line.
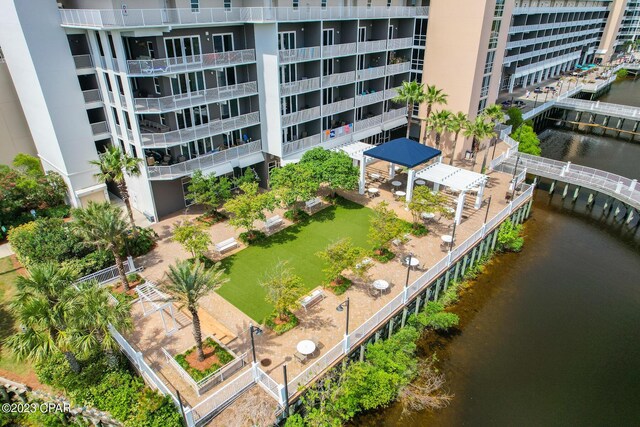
45, 239
92, 262
272, 322
296, 215
383, 255
251, 236
223, 356
510, 237
342, 286
142, 244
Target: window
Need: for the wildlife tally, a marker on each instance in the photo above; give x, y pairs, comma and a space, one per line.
495, 33
323, 4
388, 3
227, 4
152, 52
132, 150
482, 105
195, 5
499, 10
156, 85
368, 3
488, 65
486, 81
296, 3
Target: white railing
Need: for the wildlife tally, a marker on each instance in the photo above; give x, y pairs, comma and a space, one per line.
372, 46
92, 95
402, 67
369, 98
337, 107
156, 67
322, 363
395, 114
82, 61
372, 73
301, 116
268, 384
299, 86
300, 144
367, 123
109, 274
403, 43
221, 397
300, 54
168, 139
203, 162
99, 128
339, 79
180, 370
175, 102
117, 18
623, 111
391, 93
338, 50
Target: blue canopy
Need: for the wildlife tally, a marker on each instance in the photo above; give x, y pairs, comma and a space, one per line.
403, 151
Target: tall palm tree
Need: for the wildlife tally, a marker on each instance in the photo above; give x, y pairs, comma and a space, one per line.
457, 122
478, 129
410, 93
434, 96
44, 305
114, 164
439, 123
495, 115
103, 225
187, 283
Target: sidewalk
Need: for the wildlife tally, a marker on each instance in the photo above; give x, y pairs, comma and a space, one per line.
5, 250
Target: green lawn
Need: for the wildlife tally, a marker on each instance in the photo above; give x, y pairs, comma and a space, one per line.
298, 244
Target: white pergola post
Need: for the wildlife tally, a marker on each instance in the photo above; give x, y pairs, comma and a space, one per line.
479, 196
392, 170
363, 168
410, 178
459, 208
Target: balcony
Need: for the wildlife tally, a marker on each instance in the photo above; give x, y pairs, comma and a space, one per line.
339, 79
337, 107
83, 63
391, 93
300, 86
207, 96
203, 162
367, 123
402, 67
369, 98
371, 73
158, 67
164, 17
339, 50
404, 43
92, 96
100, 129
215, 127
298, 55
300, 116
300, 144
372, 46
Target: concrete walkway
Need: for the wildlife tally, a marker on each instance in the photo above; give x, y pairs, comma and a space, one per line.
5, 250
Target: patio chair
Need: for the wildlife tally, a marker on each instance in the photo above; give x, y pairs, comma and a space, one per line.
301, 358
318, 343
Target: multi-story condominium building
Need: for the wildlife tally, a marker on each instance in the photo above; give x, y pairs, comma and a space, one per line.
629, 25
220, 86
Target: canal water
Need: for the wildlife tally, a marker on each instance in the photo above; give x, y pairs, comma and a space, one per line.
551, 336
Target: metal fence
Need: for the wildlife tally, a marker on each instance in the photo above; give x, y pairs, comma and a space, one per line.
110, 274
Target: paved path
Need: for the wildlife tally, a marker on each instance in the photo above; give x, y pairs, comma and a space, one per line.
5, 250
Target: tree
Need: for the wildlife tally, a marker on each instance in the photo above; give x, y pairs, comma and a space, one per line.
427, 201
209, 190
496, 116
410, 93
478, 130
622, 74
283, 289
28, 164
434, 96
457, 123
102, 225
439, 123
510, 237
295, 182
339, 256
248, 207
333, 168
515, 118
528, 140
187, 283
114, 165
384, 226
193, 238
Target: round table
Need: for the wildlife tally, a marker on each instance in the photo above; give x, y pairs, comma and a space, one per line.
381, 285
414, 261
373, 190
400, 193
396, 183
450, 210
420, 182
447, 238
427, 215
306, 347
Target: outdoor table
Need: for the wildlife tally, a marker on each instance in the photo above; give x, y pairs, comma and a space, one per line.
446, 238
428, 215
375, 176
400, 193
450, 210
373, 191
420, 182
306, 347
396, 183
381, 285
414, 261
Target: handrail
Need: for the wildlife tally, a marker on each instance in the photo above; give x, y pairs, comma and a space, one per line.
182, 64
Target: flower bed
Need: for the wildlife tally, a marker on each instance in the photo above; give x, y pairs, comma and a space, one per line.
274, 323
215, 358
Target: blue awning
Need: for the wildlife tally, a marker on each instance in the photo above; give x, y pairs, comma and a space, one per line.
404, 152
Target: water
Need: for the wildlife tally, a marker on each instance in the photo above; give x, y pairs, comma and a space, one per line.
550, 336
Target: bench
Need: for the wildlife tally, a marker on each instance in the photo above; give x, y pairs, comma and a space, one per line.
226, 244
312, 298
272, 222
301, 358
309, 204
363, 263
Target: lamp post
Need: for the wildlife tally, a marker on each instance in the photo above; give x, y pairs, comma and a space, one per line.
257, 331
535, 104
513, 179
409, 257
486, 215
453, 235
341, 307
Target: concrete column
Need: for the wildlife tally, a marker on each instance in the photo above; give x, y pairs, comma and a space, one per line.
363, 167
459, 207
410, 178
392, 170
512, 82
479, 197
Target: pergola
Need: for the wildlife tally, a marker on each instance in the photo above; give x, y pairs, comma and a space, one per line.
148, 293
401, 151
461, 180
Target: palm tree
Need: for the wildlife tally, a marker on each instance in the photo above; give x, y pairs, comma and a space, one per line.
114, 164
439, 123
496, 116
102, 225
457, 122
187, 283
44, 305
478, 130
410, 93
434, 96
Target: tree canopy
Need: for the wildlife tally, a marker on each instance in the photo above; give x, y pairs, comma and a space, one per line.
248, 207
209, 190
295, 182
333, 168
528, 139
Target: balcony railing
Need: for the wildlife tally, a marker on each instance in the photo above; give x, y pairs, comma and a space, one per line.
404, 43
156, 67
337, 107
203, 162
160, 17
300, 144
367, 123
300, 86
371, 73
99, 128
395, 114
300, 116
402, 67
369, 98
301, 54
215, 127
339, 50
372, 46
91, 96
83, 61
391, 93
339, 79
207, 96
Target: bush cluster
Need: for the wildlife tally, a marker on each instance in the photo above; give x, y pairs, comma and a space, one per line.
510, 237
209, 345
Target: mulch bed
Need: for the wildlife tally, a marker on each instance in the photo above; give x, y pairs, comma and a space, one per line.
210, 358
